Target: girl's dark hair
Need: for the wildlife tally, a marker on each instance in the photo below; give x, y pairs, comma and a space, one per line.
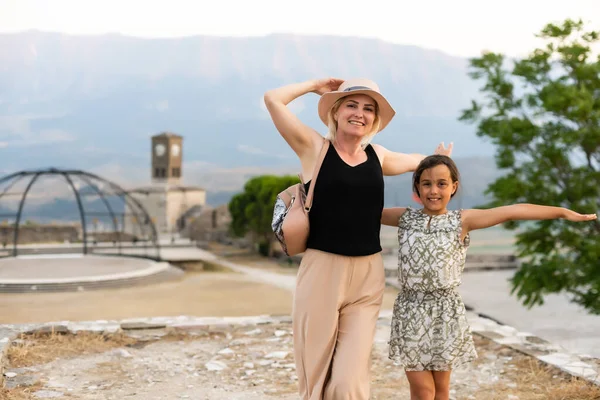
433, 161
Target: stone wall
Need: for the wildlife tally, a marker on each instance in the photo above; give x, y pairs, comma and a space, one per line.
211, 225
40, 234
111, 236
30, 234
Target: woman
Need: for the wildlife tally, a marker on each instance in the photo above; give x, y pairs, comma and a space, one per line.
340, 282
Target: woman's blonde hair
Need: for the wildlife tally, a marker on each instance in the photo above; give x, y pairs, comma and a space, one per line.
333, 126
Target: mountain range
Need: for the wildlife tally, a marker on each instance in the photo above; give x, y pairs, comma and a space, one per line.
92, 102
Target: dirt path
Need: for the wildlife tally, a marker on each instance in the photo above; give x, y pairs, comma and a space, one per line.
197, 294
265, 287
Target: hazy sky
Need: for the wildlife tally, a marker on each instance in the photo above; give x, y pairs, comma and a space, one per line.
461, 27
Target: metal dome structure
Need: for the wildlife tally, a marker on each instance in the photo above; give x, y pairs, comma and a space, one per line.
58, 211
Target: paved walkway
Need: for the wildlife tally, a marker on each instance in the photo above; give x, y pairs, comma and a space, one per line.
280, 280
558, 320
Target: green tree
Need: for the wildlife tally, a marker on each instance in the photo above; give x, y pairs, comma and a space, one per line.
252, 210
543, 114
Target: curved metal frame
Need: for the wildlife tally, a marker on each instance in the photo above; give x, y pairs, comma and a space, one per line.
113, 217
128, 202
19, 213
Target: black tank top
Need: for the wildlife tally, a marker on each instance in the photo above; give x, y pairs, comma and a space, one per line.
345, 217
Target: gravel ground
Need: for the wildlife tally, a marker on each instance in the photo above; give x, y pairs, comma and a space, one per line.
242, 362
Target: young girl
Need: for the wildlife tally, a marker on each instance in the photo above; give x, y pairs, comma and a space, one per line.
430, 335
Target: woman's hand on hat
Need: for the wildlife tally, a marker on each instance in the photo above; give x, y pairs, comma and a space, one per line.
322, 86
442, 150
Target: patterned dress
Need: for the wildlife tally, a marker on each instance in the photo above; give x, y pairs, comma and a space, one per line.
429, 325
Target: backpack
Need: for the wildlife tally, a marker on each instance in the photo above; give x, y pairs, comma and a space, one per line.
290, 215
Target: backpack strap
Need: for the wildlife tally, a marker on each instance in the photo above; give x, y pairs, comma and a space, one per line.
309, 197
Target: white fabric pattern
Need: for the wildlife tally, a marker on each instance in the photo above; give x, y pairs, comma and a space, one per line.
429, 325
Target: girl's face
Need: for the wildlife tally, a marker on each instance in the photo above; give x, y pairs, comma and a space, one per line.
436, 189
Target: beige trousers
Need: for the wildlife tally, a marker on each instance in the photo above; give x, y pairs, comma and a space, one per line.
336, 306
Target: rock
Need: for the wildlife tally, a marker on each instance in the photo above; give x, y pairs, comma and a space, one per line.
219, 328
505, 352
248, 365
122, 353
253, 355
22, 381
141, 325
254, 332
49, 329
279, 333
51, 383
189, 327
242, 341
226, 351
47, 394
10, 374
277, 354
215, 365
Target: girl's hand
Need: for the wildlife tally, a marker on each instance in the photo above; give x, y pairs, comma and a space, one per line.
443, 150
323, 86
576, 217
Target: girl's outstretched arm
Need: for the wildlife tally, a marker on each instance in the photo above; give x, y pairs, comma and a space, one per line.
390, 216
480, 219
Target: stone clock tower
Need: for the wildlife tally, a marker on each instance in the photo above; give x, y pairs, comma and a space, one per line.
170, 204
167, 158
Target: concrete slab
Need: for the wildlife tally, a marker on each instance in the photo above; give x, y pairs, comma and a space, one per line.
61, 272
73, 267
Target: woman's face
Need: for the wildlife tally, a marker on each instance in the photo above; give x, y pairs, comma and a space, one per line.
356, 115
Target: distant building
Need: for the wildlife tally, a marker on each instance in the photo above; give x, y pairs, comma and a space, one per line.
212, 224
169, 203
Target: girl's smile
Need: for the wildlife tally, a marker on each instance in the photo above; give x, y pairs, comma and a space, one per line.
436, 189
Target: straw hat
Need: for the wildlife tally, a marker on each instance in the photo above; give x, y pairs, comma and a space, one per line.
357, 86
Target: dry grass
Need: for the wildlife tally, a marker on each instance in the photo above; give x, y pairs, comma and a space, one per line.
545, 382
25, 393
41, 348
534, 380
35, 349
